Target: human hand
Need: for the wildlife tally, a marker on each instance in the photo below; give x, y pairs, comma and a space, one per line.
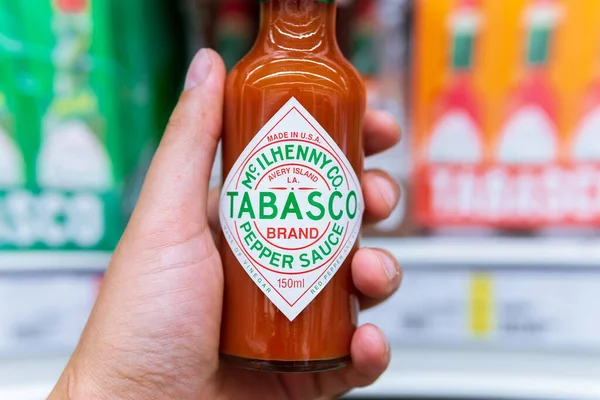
154, 330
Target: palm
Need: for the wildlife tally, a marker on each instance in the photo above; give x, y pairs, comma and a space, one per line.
188, 308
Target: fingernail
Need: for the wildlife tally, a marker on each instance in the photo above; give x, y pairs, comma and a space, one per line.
388, 190
199, 69
385, 340
389, 266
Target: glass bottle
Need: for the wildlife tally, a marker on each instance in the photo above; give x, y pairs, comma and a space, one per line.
291, 205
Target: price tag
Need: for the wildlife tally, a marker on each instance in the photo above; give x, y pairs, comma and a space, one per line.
44, 314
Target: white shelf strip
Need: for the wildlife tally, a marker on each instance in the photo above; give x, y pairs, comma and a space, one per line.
14, 261
477, 385
503, 252
484, 374
461, 374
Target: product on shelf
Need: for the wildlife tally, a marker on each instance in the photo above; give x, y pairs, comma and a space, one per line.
530, 133
493, 309
456, 126
85, 92
74, 146
500, 132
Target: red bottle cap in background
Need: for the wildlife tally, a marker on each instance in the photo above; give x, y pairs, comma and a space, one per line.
469, 3
364, 7
71, 6
233, 7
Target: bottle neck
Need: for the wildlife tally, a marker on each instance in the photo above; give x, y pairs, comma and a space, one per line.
462, 51
298, 25
538, 46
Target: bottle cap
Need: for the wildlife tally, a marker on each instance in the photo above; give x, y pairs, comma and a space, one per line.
464, 25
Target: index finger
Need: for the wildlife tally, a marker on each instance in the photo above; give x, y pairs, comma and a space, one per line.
381, 132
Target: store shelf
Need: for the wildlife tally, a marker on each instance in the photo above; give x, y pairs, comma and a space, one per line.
39, 261
492, 251
488, 374
29, 379
413, 373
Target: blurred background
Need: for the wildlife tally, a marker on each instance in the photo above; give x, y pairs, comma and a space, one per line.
498, 230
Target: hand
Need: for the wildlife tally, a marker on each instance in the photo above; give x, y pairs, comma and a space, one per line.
154, 331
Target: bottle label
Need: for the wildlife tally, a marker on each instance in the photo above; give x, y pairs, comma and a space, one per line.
586, 143
456, 138
291, 209
529, 137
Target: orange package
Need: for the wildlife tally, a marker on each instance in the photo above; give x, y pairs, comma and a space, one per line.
506, 113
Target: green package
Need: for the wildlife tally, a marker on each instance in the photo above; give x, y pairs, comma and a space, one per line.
86, 88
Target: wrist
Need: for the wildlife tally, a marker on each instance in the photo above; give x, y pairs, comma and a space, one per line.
67, 387
83, 381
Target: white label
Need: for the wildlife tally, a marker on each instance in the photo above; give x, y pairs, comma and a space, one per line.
431, 307
12, 166
291, 209
587, 138
529, 137
51, 218
72, 157
44, 314
456, 138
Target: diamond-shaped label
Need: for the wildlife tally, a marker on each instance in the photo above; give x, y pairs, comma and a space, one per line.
291, 208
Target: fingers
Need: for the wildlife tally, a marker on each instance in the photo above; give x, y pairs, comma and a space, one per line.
370, 358
376, 274
381, 194
381, 132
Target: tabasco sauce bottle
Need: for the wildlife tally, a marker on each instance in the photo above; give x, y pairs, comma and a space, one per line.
456, 134
291, 204
530, 134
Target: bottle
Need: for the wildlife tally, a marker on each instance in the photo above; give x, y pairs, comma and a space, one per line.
291, 204
530, 134
456, 135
